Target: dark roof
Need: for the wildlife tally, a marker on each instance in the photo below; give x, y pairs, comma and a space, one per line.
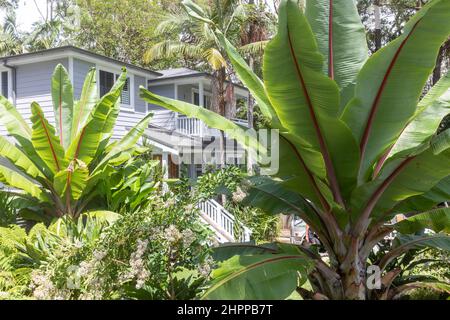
82, 51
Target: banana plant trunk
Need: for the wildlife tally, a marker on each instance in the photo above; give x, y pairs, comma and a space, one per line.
219, 105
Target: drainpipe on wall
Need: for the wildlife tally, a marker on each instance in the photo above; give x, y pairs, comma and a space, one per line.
14, 80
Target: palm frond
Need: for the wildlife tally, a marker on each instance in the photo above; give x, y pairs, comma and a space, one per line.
255, 48
171, 49
171, 22
214, 58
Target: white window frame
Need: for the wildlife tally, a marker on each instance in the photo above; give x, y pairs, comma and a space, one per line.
10, 93
116, 73
205, 93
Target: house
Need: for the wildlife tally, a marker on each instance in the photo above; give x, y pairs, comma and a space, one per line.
26, 78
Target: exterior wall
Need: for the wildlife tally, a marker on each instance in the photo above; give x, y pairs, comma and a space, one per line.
34, 84
185, 92
139, 104
163, 117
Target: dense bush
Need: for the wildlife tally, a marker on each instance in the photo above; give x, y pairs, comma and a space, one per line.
159, 252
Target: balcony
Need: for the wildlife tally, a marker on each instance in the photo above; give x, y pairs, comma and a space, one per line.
197, 128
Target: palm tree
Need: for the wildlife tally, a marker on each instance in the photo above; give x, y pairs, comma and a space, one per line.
11, 40
196, 43
255, 33
55, 25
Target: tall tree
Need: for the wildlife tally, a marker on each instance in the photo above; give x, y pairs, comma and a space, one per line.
11, 40
194, 42
255, 33
54, 27
121, 29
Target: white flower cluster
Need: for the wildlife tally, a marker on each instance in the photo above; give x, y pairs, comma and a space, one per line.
172, 234
87, 267
205, 268
238, 195
137, 264
42, 286
188, 237
169, 202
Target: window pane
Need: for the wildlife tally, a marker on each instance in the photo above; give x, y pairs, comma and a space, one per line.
5, 84
196, 99
125, 97
106, 82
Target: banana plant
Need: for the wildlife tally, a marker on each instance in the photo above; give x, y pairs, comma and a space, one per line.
57, 168
358, 144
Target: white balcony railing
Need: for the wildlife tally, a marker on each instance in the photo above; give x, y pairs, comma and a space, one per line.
222, 221
191, 126
196, 127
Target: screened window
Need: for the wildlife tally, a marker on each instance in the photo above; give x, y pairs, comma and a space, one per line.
125, 97
4, 84
107, 80
206, 99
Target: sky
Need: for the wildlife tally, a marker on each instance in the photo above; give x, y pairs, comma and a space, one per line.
28, 13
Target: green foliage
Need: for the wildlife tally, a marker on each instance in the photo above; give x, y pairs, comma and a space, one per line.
8, 212
120, 29
159, 252
340, 168
60, 168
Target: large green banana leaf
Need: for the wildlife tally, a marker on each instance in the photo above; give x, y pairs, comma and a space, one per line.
19, 159
436, 195
128, 141
45, 142
250, 80
62, 96
18, 128
298, 177
402, 178
83, 107
404, 243
13, 121
265, 276
431, 110
390, 83
437, 220
100, 122
211, 118
72, 181
270, 196
228, 250
341, 39
306, 101
16, 180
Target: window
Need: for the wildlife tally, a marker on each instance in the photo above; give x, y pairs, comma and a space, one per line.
206, 99
107, 80
125, 97
4, 84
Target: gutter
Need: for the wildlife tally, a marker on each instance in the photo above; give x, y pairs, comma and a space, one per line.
14, 80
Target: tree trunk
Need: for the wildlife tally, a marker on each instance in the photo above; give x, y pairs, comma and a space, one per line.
377, 14
437, 68
219, 106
